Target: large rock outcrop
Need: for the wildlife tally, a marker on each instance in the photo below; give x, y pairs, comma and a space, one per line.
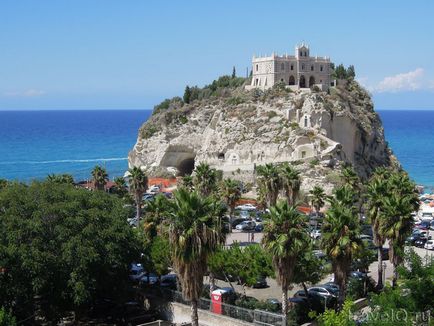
238, 130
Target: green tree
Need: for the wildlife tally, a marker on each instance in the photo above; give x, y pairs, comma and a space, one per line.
269, 180
3, 183
338, 318
187, 95
230, 193
156, 213
138, 182
60, 178
187, 182
160, 255
99, 177
376, 191
205, 179
6, 318
317, 200
290, 182
194, 235
340, 236
285, 238
351, 73
120, 187
234, 72
64, 244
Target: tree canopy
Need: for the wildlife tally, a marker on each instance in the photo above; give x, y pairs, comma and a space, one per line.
65, 245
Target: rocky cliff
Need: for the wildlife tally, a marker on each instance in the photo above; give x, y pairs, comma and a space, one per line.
235, 130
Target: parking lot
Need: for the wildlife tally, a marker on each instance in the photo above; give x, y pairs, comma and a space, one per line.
273, 290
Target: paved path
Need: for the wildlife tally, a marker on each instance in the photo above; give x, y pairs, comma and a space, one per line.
273, 291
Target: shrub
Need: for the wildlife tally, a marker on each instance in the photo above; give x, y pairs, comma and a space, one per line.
294, 126
148, 131
6, 319
235, 100
271, 114
314, 162
183, 119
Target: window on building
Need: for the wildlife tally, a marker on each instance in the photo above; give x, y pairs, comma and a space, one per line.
305, 53
320, 68
311, 68
282, 66
257, 82
281, 79
305, 122
256, 67
301, 53
303, 154
302, 67
292, 67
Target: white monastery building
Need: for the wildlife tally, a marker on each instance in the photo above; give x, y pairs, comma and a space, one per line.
296, 71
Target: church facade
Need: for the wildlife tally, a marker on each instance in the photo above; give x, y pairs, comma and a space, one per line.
297, 71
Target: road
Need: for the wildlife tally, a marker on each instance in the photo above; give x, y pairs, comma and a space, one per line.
273, 290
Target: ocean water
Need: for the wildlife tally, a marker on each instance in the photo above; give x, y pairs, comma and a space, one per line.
36, 143
411, 136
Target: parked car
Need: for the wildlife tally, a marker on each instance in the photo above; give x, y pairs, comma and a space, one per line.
246, 207
429, 245
325, 291
259, 227
245, 214
360, 276
136, 271
424, 225
148, 197
148, 279
261, 283
154, 189
246, 226
420, 243
237, 221
275, 304
413, 238
133, 221
431, 225
169, 281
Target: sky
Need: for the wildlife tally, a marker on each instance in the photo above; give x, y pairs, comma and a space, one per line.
131, 54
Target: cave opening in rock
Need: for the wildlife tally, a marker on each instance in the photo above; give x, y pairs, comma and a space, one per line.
186, 166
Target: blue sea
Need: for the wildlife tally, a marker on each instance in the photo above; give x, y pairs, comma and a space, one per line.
36, 143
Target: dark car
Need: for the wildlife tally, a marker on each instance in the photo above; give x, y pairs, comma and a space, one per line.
360, 276
259, 227
413, 238
424, 225
237, 221
169, 281
261, 283
420, 243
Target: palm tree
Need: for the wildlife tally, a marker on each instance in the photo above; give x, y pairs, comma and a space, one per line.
290, 182
269, 179
401, 201
350, 177
155, 216
187, 182
99, 177
205, 179
194, 235
60, 178
340, 238
317, 200
138, 182
376, 190
120, 186
285, 239
230, 193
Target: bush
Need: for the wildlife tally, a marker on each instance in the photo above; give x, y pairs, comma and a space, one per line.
6, 318
314, 162
148, 131
271, 114
235, 100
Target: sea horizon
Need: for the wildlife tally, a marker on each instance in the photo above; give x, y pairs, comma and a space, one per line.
36, 143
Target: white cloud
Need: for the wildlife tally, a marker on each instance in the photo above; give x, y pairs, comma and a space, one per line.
408, 81
26, 93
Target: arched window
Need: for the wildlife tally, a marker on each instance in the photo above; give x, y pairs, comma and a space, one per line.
311, 68
221, 156
320, 68
305, 53
302, 67
256, 67
305, 121
292, 67
291, 80
282, 66
301, 53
